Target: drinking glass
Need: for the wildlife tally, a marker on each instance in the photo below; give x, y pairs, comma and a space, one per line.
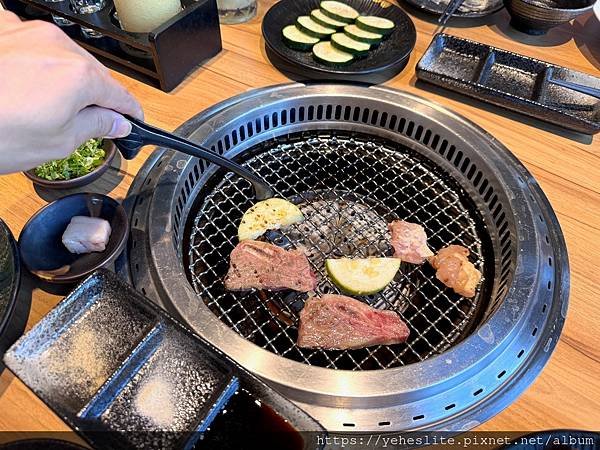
58, 20
61, 21
143, 16
88, 7
236, 11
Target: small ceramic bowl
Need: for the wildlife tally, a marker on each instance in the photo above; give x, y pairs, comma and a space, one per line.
111, 151
538, 16
40, 242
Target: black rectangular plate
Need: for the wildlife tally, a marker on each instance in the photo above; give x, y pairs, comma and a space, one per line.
124, 374
512, 81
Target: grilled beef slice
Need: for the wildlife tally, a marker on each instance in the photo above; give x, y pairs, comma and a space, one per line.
260, 265
340, 322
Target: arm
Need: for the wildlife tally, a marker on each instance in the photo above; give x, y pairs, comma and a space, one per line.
53, 95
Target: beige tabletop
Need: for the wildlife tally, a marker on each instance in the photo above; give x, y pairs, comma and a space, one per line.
567, 166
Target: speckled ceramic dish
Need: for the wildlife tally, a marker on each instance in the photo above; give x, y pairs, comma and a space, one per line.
13, 314
124, 375
512, 81
538, 16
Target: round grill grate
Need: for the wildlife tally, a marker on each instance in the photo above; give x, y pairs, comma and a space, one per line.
412, 160
348, 187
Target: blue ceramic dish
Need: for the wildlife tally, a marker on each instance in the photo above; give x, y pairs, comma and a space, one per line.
43, 252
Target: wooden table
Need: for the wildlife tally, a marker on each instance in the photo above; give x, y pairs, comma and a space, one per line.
567, 394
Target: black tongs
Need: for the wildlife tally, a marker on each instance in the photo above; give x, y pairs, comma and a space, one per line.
143, 134
451, 8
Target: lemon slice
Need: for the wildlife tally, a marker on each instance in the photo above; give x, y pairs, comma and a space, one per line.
362, 276
270, 214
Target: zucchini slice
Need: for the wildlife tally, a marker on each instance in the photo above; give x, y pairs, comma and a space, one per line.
361, 35
318, 16
343, 42
296, 39
375, 24
271, 214
362, 276
325, 53
339, 11
312, 28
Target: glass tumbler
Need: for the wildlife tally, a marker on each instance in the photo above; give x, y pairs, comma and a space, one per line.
58, 20
88, 7
236, 11
61, 21
142, 16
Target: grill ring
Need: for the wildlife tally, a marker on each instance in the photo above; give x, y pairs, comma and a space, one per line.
455, 390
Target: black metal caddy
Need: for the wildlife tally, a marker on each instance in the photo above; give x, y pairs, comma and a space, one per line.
167, 54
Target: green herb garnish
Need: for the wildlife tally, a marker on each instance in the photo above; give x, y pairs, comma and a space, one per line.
81, 162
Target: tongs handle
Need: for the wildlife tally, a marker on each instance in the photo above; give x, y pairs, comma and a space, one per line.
588, 90
451, 8
143, 134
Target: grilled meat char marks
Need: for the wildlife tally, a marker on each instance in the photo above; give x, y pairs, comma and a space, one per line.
455, 270
260, 265
339, 322
409, 241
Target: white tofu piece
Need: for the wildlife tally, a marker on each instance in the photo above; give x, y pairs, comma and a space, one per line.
86, 235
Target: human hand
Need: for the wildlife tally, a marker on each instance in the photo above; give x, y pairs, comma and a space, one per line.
53, 95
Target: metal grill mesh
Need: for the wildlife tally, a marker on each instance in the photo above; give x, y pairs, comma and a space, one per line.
349, 188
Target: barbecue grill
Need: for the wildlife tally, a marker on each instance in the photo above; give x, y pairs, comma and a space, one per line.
353, 159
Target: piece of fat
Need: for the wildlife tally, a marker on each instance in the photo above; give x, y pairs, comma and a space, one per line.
86, 235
